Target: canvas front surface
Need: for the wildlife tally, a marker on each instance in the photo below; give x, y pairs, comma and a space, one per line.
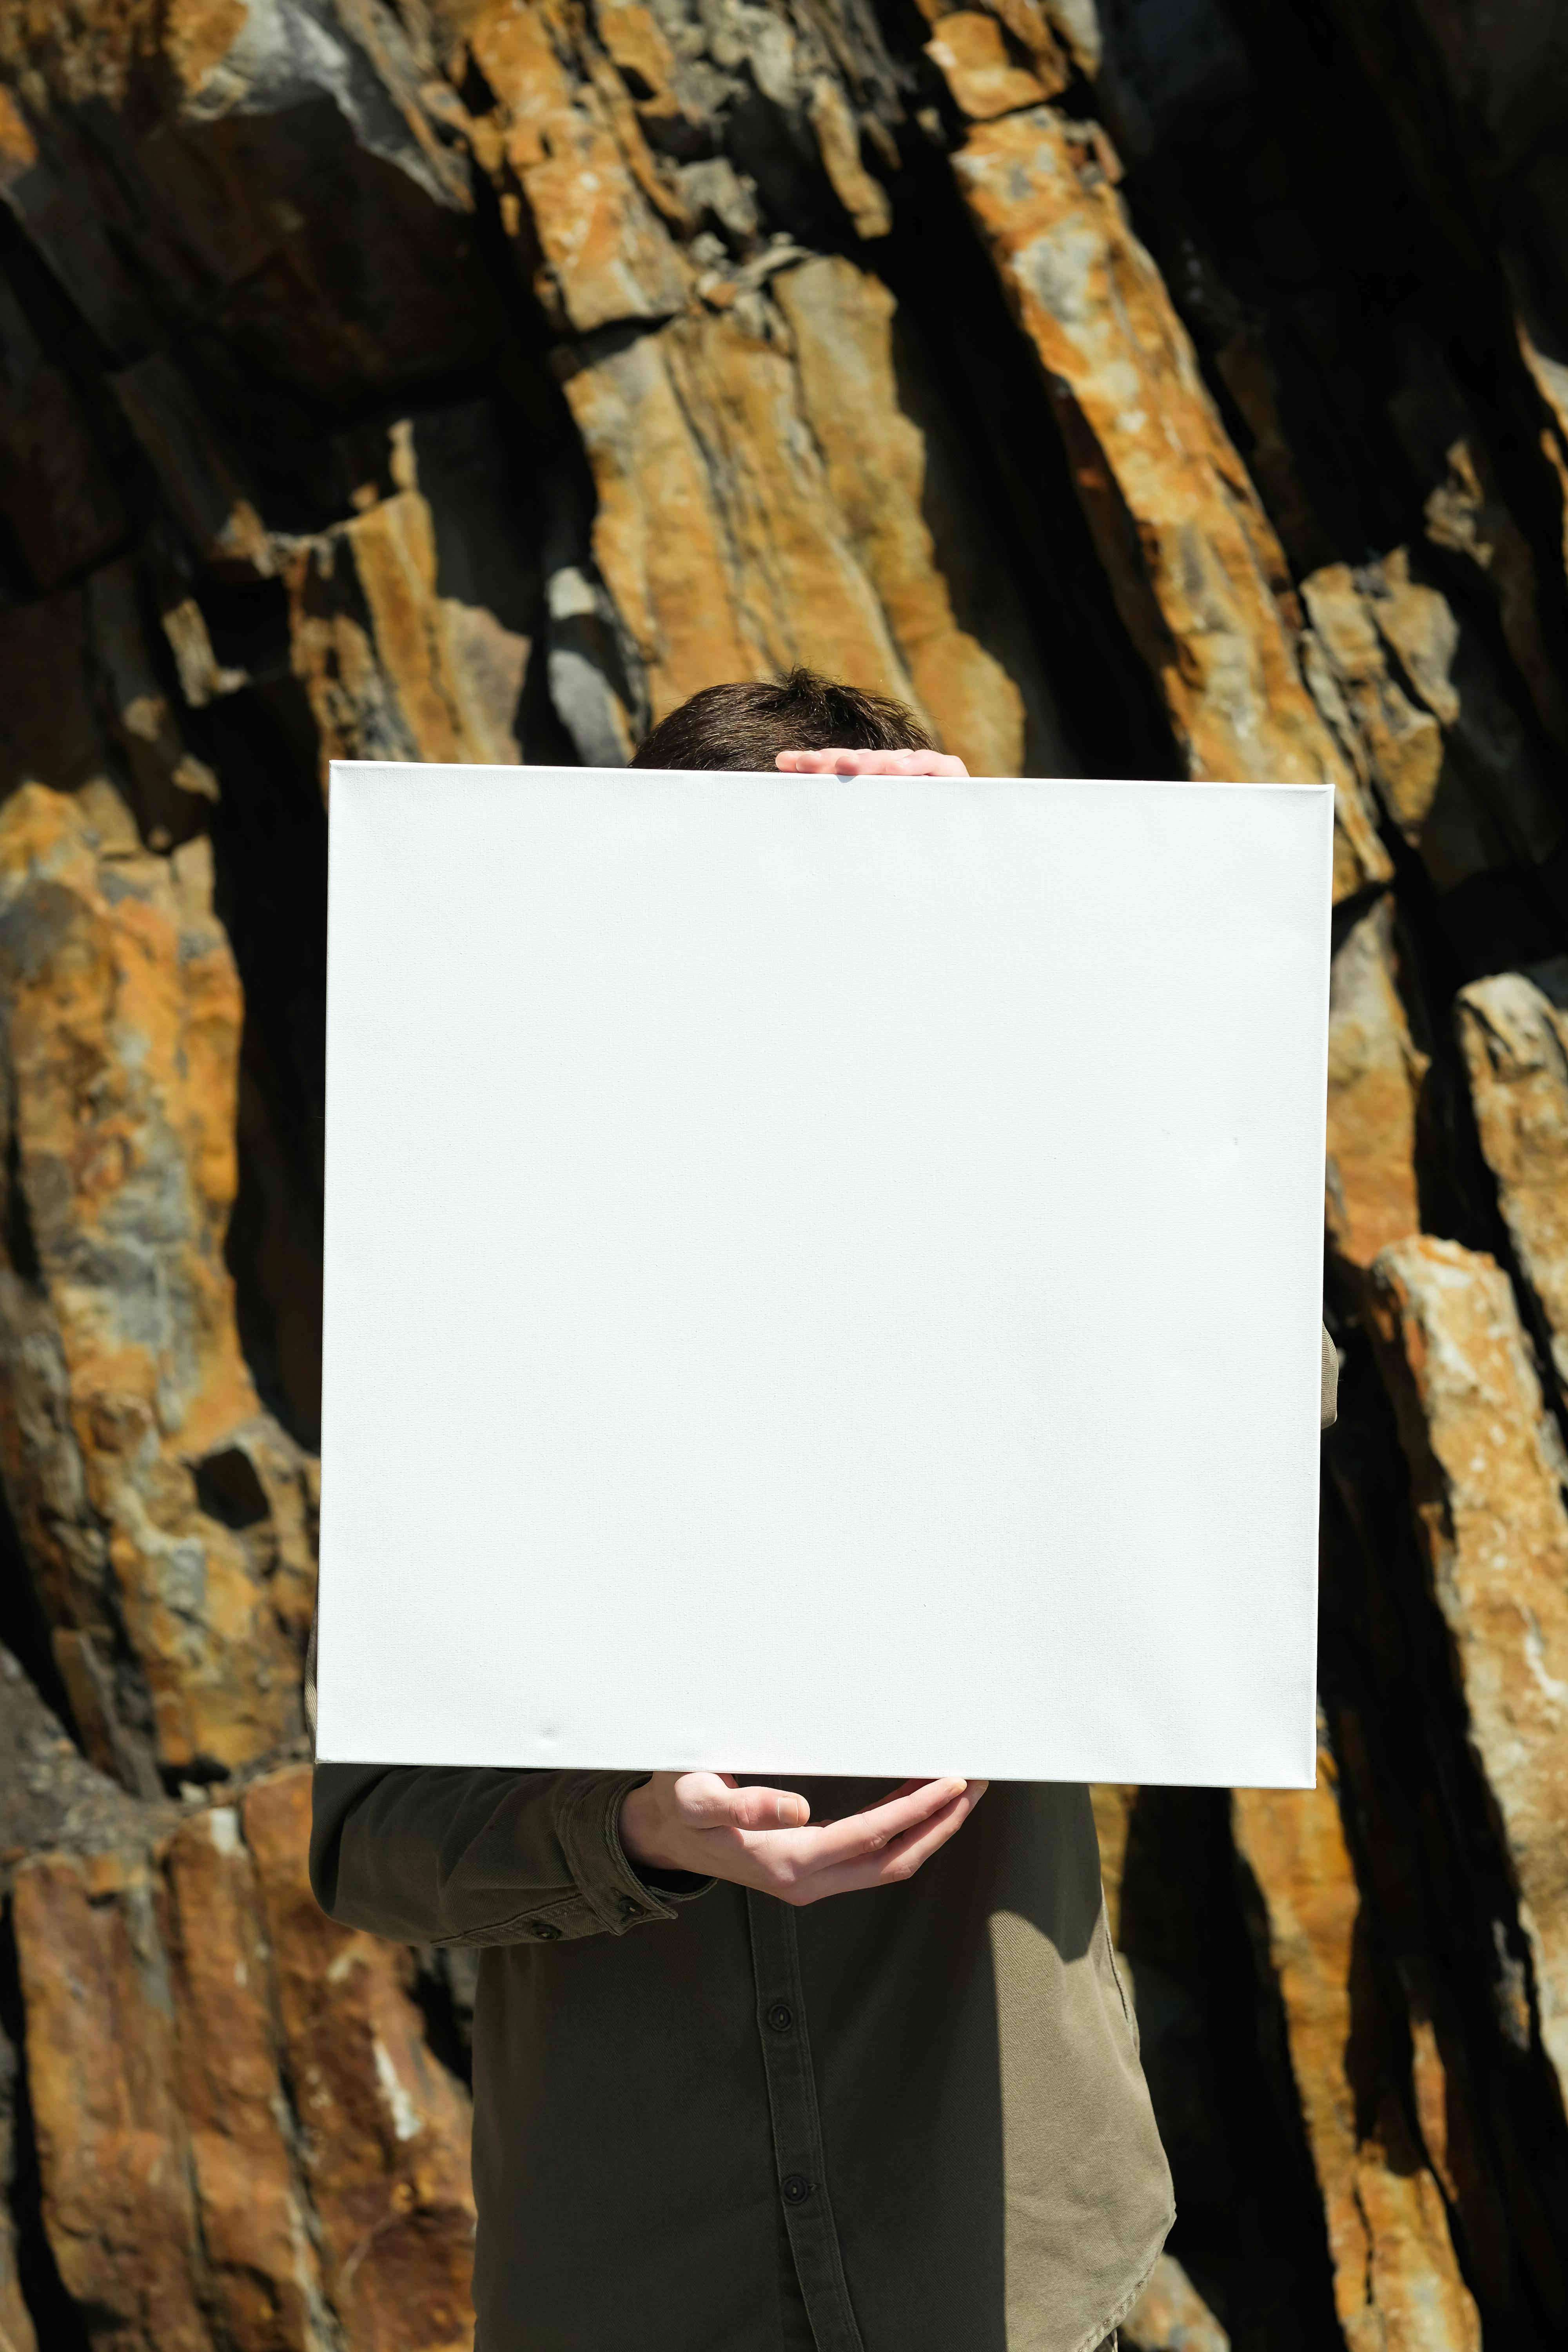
823, 1277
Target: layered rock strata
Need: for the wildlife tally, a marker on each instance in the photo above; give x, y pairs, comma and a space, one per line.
1131, 389
1487, 1471
244, 2139
166, 1518
1515, 1040
1396, 2278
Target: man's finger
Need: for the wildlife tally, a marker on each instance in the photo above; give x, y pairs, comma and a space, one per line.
870, 763
914, 763
899, 1860
868, 1832
906, 1854
770, 1808
708, 1800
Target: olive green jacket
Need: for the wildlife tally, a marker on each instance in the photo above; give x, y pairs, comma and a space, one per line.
906, 2121
911, 2120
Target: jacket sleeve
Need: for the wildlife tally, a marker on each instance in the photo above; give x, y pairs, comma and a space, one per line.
430, 1856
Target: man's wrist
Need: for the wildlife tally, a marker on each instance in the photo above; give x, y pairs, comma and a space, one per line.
639, 1832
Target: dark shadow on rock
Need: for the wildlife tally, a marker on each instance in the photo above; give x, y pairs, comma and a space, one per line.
1249, 2225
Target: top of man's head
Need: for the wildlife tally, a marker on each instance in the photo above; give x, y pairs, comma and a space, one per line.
748, 724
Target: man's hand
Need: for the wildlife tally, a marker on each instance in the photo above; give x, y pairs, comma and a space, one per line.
763, 1838
870, 763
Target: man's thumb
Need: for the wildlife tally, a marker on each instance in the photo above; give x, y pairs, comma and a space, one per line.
754, 1809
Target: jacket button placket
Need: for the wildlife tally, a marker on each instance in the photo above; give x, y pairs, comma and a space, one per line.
798, 2126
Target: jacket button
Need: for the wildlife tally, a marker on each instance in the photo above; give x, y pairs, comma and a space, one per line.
797, 2188
630, 1910
781, 2017
545, 1932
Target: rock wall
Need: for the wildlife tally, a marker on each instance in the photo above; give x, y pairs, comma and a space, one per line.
1136, 387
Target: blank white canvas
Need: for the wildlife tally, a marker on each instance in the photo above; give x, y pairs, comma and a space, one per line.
823, 1275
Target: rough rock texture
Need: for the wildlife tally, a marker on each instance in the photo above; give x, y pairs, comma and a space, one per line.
166, 1518
243, 2136
1514, 1032
765, 494
1171, 2317
1396, 2279
1195, 566
1198, 577
827, 558
1415, 696
1375, 1074
1135, 387
1487, 1470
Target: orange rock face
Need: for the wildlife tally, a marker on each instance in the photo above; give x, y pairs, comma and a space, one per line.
1170, 2315
1514, 1032
142, 163
1375, 1072
1487, 1471
725, 567
571, 143
987, 698
1190, 555
101, 2070
245, 2149
971, 53
365, 609
385, 2129
1416, 698
243, 2140
1396, 2279
169, 1519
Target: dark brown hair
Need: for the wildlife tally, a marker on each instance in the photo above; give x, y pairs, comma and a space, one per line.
744, 725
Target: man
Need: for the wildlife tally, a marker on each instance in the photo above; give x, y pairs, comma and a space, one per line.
761, 2069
